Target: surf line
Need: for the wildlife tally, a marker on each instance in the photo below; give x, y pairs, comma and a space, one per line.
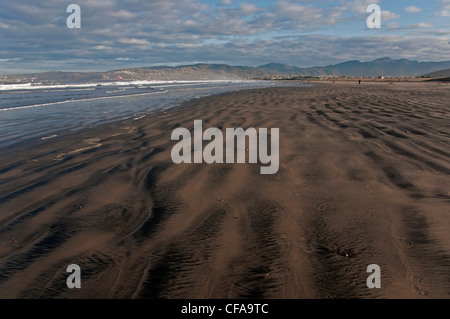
81, 100
214, 151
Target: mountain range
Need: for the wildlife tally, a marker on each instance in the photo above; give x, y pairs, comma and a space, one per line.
379, 67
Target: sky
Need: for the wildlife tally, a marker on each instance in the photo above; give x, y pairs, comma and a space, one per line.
116, 34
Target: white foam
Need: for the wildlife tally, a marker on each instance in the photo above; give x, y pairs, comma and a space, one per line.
80, 100
34, 86
40, 86
49, 137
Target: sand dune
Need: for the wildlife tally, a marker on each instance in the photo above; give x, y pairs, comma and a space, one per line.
364, 179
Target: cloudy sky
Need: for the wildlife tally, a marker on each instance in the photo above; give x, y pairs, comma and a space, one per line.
131, 33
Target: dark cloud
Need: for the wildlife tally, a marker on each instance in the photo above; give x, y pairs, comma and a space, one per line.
130, 33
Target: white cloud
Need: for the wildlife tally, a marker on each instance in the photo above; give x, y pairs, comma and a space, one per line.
358, 6
388, 15
424, 25
444, 8
248, 9
288, 15
227, 2
413, 9
127, 59
96, 4
100, 47
133, 41
123, 14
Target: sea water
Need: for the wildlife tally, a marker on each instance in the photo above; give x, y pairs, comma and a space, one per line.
33, 111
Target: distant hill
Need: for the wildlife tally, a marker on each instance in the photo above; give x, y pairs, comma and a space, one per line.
439, 74
379, 67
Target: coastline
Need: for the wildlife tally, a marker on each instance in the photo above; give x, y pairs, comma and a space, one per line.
363, 179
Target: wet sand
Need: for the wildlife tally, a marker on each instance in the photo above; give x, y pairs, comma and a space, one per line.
364, 179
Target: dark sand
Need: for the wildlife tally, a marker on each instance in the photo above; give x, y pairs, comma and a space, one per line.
364, 179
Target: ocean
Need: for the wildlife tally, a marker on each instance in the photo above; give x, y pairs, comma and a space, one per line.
33, 111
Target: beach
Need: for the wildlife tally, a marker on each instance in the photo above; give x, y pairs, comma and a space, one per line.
364, 179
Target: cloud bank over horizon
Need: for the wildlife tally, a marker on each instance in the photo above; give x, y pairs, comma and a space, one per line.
131, 33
